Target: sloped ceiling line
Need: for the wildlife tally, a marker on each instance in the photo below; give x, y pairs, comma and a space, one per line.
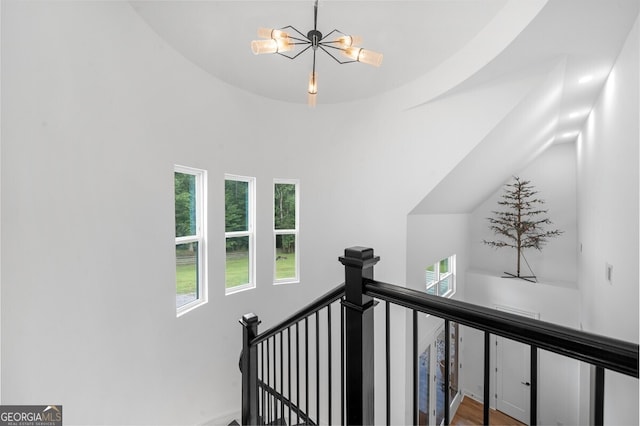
515, 141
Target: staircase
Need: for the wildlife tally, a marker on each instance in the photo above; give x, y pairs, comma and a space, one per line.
317, 366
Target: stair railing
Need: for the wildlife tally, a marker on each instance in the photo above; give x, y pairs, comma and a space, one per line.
275, 364
265, 397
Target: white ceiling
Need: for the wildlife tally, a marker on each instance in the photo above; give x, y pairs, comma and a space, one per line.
415, 37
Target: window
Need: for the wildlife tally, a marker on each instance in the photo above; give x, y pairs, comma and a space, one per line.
190, 221
239, 215
440, 277
285, 231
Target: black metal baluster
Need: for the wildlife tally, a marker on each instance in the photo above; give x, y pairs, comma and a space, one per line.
298, 372
414, 368
487, 367
329, 413
447, 377
387, 323
273, 409
342, 361
534, 386
289, 368
262, 379
317, 367
306, 365
598, 413
267, 381
281, 374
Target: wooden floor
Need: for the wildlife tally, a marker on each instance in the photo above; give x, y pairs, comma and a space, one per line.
470, 413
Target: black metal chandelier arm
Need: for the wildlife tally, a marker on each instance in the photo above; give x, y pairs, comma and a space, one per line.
300, 40
297, 54
333, 31
322, 46
296, 30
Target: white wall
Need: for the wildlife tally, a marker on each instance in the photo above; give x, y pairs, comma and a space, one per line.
553, 174
608, 223
557, 375
431, 238
96, 110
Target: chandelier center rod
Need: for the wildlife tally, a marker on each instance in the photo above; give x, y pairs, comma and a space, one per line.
314, 37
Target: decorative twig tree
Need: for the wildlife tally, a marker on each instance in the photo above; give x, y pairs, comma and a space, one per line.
522, 224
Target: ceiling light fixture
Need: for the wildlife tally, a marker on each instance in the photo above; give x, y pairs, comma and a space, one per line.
280, 41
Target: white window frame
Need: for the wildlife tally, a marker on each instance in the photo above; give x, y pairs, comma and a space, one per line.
294, 232
200, 237
250, 232
441, 277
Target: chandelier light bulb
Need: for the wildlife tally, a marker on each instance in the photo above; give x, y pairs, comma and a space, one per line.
264, 46
271, 46
271, 33
284, 44
348, 41
313, 83
311, 100
363, 55
370, 57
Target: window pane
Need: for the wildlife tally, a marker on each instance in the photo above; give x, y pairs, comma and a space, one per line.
236, 206
186, 273
431, 290
444, 286
444, 266
285, 206
430, 274
237, 264
185, 201
285, 256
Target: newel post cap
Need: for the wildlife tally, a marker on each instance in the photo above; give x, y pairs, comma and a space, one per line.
358, 256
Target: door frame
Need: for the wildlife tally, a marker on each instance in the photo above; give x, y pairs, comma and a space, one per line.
497, 367
455, 402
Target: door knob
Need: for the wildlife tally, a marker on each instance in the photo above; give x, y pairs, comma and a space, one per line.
526, 383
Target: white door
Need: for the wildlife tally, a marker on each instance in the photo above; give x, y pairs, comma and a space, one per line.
513, 369
439, 377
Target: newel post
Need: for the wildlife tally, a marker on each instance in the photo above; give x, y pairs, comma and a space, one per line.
249, 369
359, 368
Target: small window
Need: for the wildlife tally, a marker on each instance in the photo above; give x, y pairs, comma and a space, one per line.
190, 232
440, 277
285, 231
239, 233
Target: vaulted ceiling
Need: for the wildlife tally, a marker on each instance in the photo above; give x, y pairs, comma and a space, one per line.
419, 39
432, 49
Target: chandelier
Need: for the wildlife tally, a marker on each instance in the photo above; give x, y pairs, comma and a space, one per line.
281, 41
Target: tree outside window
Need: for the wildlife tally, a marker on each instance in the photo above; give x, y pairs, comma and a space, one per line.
189, 201
285, 220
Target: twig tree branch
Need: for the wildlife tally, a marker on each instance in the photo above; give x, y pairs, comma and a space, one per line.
522, 224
